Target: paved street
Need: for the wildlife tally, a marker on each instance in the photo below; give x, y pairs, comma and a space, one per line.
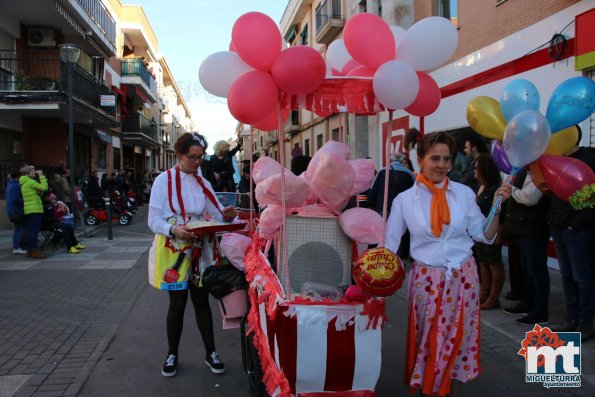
90, 325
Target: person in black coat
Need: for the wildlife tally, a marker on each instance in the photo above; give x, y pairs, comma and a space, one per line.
222, 164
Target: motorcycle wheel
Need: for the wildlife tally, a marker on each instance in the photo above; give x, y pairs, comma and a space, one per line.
91, 220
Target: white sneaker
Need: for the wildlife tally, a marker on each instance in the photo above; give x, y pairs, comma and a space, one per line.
18, 251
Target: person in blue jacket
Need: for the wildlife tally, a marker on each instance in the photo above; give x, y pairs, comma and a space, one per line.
15, 212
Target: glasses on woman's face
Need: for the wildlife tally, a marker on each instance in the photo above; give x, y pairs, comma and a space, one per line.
195, 158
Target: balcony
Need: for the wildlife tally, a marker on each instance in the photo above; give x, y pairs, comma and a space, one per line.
40, 75
99, 14
134, 71
329, 21
141, 131
292, 124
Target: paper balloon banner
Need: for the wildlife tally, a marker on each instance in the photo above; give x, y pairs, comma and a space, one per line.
571, 102
485, 117
379, 272
517, 96
526, 138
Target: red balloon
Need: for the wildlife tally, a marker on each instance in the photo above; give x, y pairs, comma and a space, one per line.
271, 122
379, 272
257, 40
361, 71
252, 97
369, 40
299, 70
565, 175
335, 72
231, 47
350, 65
428, 97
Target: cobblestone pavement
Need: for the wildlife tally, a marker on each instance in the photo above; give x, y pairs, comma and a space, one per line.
80, 325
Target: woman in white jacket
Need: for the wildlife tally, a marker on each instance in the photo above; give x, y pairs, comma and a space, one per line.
178, 196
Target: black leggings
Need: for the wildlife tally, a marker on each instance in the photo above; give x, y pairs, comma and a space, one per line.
175, 317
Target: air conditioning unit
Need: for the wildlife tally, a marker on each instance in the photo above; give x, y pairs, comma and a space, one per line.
41, 38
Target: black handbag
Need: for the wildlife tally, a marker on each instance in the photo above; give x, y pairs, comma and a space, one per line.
223, 279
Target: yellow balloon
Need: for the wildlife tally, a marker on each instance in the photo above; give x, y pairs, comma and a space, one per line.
562, 141
485, 117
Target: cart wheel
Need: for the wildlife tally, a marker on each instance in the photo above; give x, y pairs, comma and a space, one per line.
91, 220
254, 370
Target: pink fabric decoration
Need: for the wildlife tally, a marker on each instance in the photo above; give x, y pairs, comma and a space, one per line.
269, 191
364, 175
332, 181
340, 149
265, 167
234, 246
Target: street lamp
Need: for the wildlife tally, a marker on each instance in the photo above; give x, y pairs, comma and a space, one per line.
69, 54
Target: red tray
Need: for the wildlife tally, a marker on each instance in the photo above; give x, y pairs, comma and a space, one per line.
223, 227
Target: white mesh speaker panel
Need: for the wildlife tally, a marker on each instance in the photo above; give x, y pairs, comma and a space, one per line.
318, 251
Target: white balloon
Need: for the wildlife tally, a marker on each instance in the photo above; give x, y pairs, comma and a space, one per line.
220, 70
395, 84
428, 43
337, 55
398, 33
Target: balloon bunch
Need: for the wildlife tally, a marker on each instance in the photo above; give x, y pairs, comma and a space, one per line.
524, 137
257, 67
396, 59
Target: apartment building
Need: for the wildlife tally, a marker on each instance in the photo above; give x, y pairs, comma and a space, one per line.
499, 40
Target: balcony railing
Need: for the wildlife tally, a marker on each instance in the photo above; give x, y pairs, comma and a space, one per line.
41, 70
137, 123
98, 13
136, 67
329, 21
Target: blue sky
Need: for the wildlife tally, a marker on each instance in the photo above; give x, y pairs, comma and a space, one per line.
188, 31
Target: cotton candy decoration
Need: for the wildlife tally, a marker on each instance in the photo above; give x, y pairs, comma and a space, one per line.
270, 221
333, 180
269, 191
363, 175
265, 167
234, 246
362, 225
311, 197
340, 149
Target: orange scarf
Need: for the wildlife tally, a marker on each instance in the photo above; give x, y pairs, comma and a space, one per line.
439, 211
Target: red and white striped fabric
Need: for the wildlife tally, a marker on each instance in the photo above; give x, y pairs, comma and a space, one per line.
326, 348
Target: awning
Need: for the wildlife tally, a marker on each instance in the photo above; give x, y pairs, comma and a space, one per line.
121, 100
104, 137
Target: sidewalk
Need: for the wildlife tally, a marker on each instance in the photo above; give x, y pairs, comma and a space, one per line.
90, 325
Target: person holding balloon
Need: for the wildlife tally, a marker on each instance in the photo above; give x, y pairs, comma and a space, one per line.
443, 219
573, 232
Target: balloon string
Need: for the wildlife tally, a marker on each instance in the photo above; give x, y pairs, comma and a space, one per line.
340, 127
283, 237
386, 175
251, 196
488, 222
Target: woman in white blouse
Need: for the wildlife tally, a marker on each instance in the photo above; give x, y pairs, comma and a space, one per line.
177, 196
443, 220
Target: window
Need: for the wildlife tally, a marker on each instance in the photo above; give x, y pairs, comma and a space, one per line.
101, 155
335, 134
449, 9
295, 117
318, 141
304, 35
307, 147
116, 158
261, 141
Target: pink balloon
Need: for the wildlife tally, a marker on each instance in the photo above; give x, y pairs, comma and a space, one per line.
299, 70
271, 122
565, 175
257, 40
252, 97
369, 40
428, 97
335, 72
362, 71
231, 47
350, 65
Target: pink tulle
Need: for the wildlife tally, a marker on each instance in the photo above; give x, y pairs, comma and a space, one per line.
362, 225
265, 167
364, 175
269, 191
332, 180
270, 221
234, 246
338, 148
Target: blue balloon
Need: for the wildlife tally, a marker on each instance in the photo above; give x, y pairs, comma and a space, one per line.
526, 138
518, 95
572, 102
